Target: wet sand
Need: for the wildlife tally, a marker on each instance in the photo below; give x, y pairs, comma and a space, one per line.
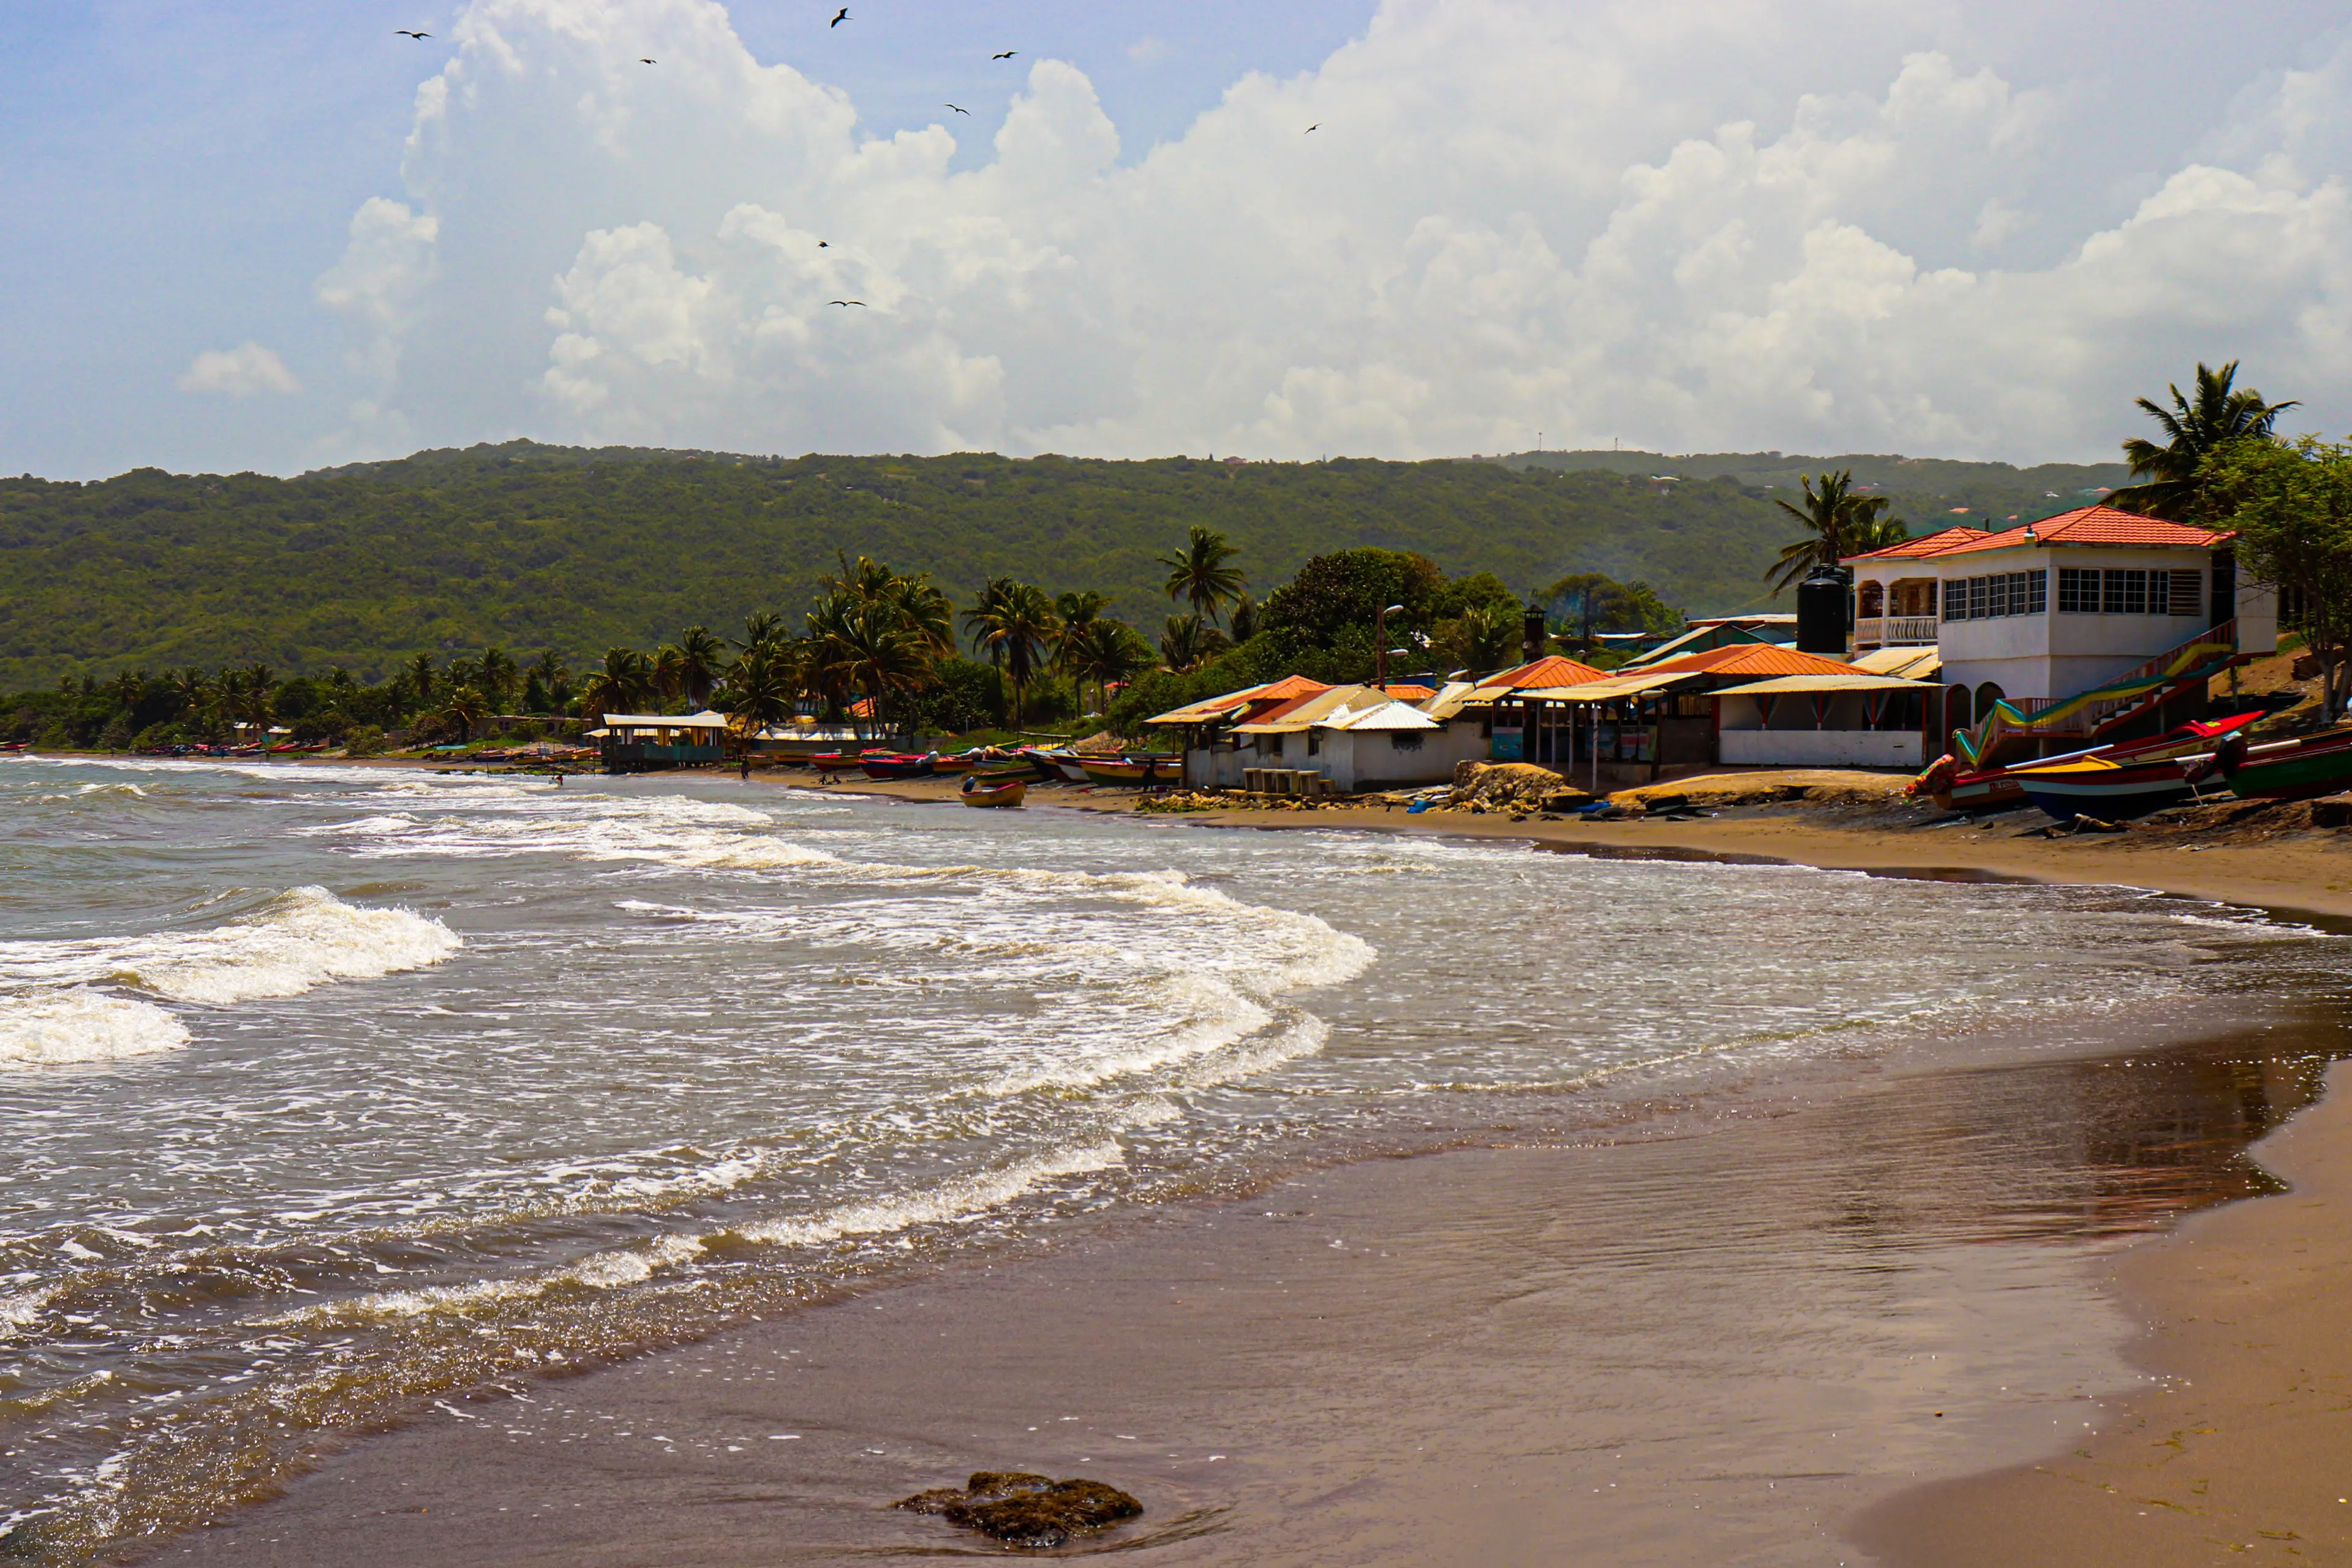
1710, 1347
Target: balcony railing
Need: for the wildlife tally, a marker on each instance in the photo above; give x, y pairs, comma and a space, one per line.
1893, 631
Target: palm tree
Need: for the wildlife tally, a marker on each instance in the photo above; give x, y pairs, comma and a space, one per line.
549, 679
1198, 573
624, 680
1243, 624
463, 708
1014, 625
667, 680
1077, 611
1488, 635
2193, 430
701, 659
760, 690
248, 694
868, 649
1843, 524
1104, 651
762, 627
419, 671
129, 686
498, 676
190, 687
1187, 642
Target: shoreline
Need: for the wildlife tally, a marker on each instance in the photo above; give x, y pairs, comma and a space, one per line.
2226, 1450
1656, 1351
2297, 876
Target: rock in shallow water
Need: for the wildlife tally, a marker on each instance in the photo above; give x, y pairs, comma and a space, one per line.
1024, 1509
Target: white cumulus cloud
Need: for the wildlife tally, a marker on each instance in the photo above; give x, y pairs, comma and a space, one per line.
239, 372
1655, 219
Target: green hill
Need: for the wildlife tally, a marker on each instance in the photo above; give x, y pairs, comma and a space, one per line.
535, 546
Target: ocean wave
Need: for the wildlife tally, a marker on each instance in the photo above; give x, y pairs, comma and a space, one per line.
597, 1272
960, 1198
59, 1029
291, 943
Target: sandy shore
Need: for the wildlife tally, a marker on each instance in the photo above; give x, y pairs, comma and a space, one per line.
1698, 1349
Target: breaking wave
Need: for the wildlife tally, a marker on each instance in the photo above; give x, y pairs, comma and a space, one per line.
58, 1028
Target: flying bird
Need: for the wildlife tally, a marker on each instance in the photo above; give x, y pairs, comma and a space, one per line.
840, 18
859, 302
1005, 55
823, 243
1312, 129
643, 61
958, 111
404, 33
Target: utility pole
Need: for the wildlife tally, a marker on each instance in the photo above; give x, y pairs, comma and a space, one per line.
1381, 644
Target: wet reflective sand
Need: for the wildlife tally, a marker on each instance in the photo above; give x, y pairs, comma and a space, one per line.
1710, 1347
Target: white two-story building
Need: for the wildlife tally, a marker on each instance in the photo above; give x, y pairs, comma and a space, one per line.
2051, 609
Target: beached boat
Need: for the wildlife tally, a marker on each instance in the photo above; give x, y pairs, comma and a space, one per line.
957, 762
2285, 770
897, 766
1129, 770
979, 792
2105, 788
2000, 789
1057, 763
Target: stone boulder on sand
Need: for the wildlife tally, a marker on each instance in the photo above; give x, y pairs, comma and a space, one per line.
1024, 1509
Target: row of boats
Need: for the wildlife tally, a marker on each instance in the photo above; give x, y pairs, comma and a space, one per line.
995, 776
2198, 761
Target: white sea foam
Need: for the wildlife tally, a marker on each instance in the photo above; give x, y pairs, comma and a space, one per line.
58, 1027
958, 1199
293, 942
597, 1272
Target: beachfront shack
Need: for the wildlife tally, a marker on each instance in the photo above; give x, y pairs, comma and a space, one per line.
1214, 754
1520, 728
641, 743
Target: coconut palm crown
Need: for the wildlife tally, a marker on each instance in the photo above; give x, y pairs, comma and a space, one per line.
1842, 524
2193, 429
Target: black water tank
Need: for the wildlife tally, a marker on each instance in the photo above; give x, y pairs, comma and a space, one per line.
1532, 637
1822, 611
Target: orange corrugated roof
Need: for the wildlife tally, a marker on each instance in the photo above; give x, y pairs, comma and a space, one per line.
1552, 671
1409, 693
2084, 525
1755, 660
1290, 686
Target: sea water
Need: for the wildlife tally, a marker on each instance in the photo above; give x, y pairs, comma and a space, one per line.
329, 1093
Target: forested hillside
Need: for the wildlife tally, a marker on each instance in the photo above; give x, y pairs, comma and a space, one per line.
534, 547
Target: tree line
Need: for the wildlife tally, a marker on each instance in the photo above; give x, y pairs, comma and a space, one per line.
888, 651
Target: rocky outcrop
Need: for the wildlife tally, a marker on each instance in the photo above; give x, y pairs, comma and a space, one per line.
1024, 1509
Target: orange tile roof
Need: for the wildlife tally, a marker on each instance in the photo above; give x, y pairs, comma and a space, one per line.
2084, 525
1553, 671
1754, 660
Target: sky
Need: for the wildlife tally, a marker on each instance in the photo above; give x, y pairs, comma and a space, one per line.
281, 236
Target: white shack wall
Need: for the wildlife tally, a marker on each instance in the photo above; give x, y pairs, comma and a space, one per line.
1824, 747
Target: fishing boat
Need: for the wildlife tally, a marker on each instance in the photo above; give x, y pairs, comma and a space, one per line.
2106, 789
1128, 769
1999, 789
977, 793
897, 766
958, 762
1059, 763
2285, 770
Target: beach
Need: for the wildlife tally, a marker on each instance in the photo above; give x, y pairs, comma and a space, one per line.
1387, 1287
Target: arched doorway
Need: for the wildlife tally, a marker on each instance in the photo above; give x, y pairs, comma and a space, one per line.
1986, 695
1957, 714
